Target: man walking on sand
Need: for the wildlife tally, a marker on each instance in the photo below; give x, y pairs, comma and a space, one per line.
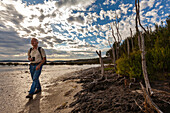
37, 57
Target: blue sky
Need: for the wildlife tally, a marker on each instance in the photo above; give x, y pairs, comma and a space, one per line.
71, 29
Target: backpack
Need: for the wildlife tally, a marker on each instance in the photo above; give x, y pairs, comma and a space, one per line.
39, 49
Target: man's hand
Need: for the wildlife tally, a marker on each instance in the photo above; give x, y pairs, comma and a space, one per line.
30, 59
38, 67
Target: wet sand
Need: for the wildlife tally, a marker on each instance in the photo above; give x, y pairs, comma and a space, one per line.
15, 82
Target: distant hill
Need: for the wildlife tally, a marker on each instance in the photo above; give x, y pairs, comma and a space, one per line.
58, 62
13, 60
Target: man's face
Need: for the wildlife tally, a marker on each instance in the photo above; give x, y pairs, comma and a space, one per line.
34, 42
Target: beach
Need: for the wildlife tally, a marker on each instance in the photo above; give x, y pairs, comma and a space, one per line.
76, 89
15, 82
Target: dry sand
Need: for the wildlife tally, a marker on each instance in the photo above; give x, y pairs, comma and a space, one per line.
57, 94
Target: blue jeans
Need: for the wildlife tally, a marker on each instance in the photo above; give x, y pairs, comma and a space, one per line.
35, 77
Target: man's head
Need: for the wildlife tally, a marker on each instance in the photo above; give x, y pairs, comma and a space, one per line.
34, 42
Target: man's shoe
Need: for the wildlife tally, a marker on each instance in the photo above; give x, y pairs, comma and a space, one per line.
37, 91
30, 96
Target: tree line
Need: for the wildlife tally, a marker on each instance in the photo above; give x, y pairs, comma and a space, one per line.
157, 48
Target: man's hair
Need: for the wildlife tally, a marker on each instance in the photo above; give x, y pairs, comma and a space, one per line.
34, 39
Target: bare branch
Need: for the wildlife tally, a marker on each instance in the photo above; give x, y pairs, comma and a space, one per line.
149, 100
113, 33
109, 42
138, 105
139, 18
137, 30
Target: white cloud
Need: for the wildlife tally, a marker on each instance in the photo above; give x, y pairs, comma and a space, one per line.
67, 26
102, 12
125, 7
152, 13
73, 4
105, 27
107, 2
101, 34
111, 14
146, 3
143, 4
160, 7
112, 2
94, 33
99, 40
157, 4
151, 3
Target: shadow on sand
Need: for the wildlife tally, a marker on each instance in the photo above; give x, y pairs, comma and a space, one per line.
33, 105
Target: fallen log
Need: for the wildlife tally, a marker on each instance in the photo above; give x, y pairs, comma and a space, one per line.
149, 100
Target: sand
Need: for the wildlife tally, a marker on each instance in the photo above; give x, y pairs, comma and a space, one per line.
73, 89
15, 82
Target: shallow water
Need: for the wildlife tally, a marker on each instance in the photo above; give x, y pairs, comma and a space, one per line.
15, 82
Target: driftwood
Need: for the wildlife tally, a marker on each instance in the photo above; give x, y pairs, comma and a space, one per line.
149, 100
138, 105
160, 91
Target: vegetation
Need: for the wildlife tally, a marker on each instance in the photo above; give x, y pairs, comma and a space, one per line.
157, 46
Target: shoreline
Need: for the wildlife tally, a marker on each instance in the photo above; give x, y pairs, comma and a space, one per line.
111, 95
15, 82
78, 91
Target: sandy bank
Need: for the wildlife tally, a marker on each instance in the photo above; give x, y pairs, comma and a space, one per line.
15, 82
76, 91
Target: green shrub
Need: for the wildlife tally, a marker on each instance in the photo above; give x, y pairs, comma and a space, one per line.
157, 61
123, 66
130, 66
135, 65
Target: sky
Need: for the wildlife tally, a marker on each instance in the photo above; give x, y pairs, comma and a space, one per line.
71, 29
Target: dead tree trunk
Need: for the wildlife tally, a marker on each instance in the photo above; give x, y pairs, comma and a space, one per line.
150, 29
118, 36
102, 64
131, 39
113, 54
116, 24
136, 20
142, 48
116, 43
128, 48
144, 68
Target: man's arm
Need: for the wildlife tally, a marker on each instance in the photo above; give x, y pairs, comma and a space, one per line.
43, 60
29, 56
41, 63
